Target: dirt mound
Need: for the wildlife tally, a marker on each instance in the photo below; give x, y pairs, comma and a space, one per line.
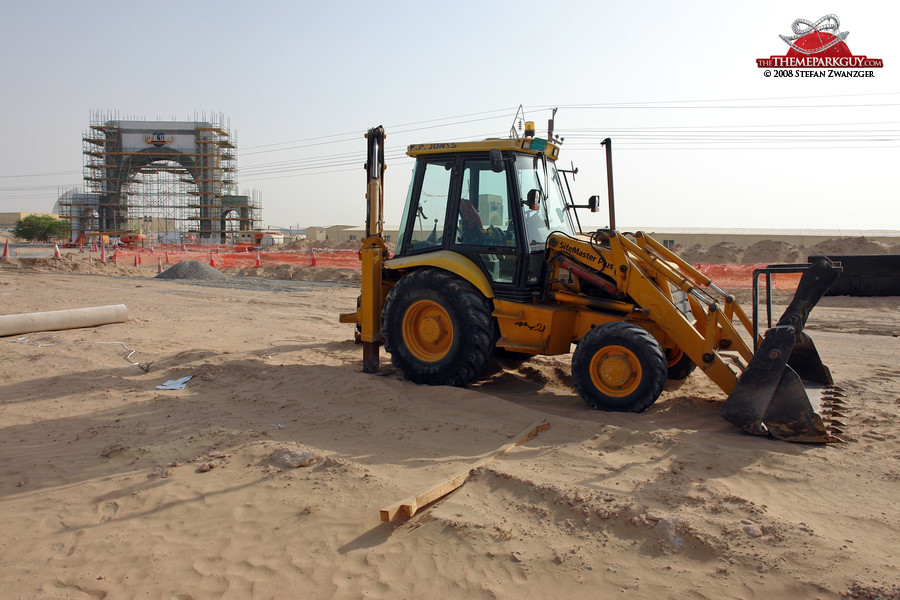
769, 251
692, 254
326, 244
849, 245
67, 264
192, 269
718, 254
723, 253
296, 273
309, 245
772, 251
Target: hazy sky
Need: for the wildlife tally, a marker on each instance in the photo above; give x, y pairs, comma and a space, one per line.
702, 137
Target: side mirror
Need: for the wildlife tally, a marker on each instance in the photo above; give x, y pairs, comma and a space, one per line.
496, 159
594, 203
533, 200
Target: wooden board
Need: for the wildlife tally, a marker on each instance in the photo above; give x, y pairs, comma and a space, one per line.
408, 506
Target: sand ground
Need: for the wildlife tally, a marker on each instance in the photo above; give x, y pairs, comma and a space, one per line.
111, 488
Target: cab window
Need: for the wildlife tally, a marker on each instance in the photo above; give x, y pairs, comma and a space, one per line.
428, 221
485, 218
551, 214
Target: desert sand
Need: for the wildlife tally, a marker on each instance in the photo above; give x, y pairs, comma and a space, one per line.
111, 488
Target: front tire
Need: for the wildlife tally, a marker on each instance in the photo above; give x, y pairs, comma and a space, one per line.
438, 328
619, 367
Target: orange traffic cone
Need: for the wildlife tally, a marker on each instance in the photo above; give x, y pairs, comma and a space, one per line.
116, 257
140, 260
257, 260
313, 259
211, 261
159, 265
56, 251
6, 249
135, 260
167, 258
103, 254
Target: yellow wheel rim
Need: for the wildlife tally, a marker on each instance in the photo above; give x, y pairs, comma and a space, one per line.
673, 355
615, 371
427, 331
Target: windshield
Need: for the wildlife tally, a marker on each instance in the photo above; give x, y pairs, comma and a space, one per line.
537, 173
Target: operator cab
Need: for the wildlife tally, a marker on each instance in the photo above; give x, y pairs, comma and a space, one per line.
495, 202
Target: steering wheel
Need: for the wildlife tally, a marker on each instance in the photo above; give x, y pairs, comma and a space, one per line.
495, 236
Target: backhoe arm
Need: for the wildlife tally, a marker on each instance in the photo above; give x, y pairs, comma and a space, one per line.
373, 251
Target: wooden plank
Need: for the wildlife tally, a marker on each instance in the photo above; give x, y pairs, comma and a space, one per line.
409, 506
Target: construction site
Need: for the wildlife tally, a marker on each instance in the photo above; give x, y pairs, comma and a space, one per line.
163, 181
670, 442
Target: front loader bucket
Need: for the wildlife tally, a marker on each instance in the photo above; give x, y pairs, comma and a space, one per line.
786, 391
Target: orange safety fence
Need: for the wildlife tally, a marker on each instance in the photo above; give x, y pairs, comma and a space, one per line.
217, 257
741, 277
724, 276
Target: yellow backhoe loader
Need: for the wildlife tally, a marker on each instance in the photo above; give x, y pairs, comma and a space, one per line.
490, 255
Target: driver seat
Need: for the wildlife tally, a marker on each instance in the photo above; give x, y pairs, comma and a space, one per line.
470, 222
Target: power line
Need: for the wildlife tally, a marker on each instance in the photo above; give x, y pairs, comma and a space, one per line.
716, 100
720, 148
355, 134
698, 136
41, 174
25, 188
395, 131
732, 106
740, 126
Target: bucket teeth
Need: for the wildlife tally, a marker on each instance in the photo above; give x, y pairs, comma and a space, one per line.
833, 402
836, 393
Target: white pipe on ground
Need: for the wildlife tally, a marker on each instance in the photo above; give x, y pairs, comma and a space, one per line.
62, 319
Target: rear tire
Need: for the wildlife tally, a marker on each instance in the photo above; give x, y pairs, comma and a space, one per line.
678, 364
438, 328
619, 367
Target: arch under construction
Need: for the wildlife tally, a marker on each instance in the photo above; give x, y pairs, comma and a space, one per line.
173, 181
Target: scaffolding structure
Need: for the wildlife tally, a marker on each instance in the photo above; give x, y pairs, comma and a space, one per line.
173, 181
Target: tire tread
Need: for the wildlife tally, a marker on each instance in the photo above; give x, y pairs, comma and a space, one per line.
654, 367
480, 335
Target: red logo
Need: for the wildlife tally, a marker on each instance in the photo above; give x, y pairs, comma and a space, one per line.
818, 45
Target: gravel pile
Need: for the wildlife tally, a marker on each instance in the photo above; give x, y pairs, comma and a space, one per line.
194, 270
197, 272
